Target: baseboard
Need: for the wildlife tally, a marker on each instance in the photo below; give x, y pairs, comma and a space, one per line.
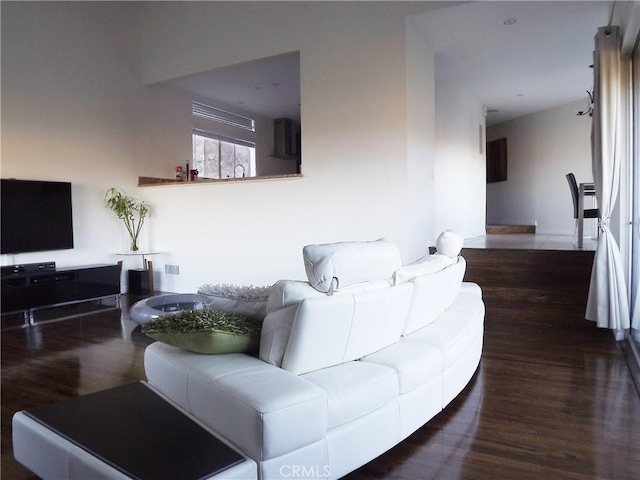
511, 229
632, 356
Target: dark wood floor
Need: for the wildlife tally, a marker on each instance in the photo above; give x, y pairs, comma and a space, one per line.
552, 399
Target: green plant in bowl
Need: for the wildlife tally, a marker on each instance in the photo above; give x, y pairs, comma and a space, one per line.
206, 331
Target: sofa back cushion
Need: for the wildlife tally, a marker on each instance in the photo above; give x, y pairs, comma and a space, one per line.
285, 297
331, 330
423, 266
449, 243
433, 294
334, 266
285, 293
348, 309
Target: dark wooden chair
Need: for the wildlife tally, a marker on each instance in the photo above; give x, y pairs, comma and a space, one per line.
577, 213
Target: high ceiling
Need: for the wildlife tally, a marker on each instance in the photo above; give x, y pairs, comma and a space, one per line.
517, 57
268, 86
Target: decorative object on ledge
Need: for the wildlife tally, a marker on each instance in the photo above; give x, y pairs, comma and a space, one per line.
155, 181
131, 211
589, 110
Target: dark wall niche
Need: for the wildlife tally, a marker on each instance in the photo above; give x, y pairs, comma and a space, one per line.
497, 161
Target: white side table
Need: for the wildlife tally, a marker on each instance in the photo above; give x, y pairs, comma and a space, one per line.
136, 276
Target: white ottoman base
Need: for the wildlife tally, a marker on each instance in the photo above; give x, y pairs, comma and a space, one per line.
51, 456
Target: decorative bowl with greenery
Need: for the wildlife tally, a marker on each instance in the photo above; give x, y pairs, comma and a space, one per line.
131, 211
206, 331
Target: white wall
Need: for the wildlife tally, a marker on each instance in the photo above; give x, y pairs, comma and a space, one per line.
74, 109
163, 132
541, 149
354, 120
460, 161
420, 136
70, 77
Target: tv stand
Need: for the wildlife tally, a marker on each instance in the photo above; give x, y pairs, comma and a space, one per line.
30, 287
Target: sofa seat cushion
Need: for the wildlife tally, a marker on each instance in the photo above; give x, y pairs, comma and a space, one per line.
450, 331
263, 409
354, 389
415, 363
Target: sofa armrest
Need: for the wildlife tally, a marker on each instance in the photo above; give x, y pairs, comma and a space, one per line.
471, 288
264, 410
276, 329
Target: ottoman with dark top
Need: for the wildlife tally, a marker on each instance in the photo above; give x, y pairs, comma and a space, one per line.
124, 432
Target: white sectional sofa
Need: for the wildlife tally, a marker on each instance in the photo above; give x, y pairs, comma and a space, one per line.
350, 363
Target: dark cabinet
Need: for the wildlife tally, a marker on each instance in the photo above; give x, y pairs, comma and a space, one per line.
28, 291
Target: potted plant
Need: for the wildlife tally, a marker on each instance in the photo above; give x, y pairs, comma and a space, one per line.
131, 211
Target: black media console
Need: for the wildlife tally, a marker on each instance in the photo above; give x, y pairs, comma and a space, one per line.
29, 287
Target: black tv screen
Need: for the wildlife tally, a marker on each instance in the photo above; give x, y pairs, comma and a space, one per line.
36, 216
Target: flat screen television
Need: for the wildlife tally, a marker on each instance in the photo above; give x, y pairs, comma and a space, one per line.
36, 216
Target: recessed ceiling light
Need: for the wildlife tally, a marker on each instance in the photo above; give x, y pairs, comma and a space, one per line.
510, 21
520, 95
258, 87
276, 84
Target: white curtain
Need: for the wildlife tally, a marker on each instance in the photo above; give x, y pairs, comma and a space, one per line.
635, 320
635, 248
608, 303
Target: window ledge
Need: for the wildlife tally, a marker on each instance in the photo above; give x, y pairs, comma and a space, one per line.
154, 181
